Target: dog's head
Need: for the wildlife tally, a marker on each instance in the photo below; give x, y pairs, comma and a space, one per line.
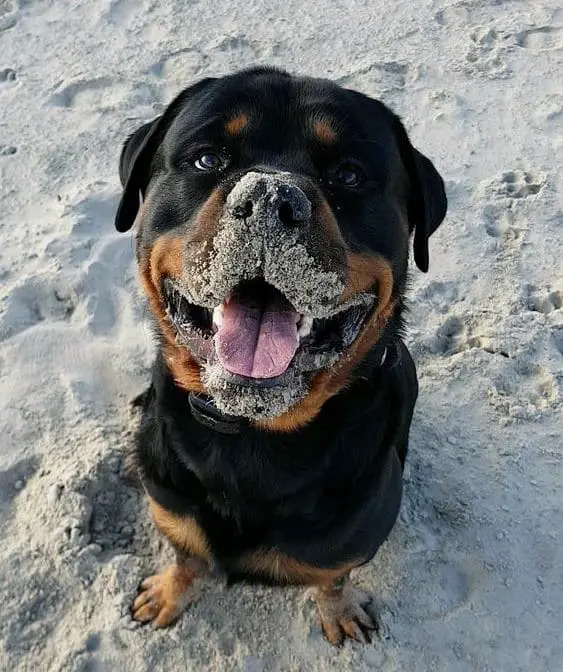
273, 216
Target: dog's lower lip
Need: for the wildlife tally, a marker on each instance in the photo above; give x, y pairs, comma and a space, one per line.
244, 381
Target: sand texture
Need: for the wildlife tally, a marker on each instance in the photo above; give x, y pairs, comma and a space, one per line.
471, 577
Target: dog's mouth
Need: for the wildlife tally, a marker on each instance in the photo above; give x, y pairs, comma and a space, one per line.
258, 337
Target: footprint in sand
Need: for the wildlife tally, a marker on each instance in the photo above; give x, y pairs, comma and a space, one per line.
15, 478
8, 14
232, 52
103, 262
381, 77
523, 390
450, 589
8, 78
35, 607
87, 219
521, 184
108, 270
442, 586
501, 222
548, 110
234, 43
121, 12
485, 54
110, 515
100, 92
512, 186
438, 297
458, 334
542, 301
240, 44
451, 337
8, 150
454, 14
36, 300
441, 295
180, 64
544, 38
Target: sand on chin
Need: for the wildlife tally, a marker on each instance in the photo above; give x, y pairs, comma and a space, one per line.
470, 578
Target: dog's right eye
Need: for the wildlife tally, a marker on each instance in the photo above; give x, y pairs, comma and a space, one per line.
209, 161
348, 174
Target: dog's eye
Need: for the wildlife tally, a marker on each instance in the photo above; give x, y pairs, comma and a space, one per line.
348, 175
209, 161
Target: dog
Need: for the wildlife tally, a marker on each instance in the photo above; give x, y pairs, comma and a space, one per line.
273, 216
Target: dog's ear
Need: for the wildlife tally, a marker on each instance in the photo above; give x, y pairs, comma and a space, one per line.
134, 167
137, 156
427, 201
131, 149
428, 207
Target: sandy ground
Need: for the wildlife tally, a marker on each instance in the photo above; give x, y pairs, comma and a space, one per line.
471, 578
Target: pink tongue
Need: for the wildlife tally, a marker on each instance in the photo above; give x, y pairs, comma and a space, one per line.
256, 343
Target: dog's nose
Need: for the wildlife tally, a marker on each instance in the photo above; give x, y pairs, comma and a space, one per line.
266, 196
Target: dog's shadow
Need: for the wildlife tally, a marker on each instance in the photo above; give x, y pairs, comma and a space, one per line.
118, 521
418, 572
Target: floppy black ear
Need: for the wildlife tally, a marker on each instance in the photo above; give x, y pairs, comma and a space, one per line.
427, 201
131, 148
137, 156
428, 206
134, 167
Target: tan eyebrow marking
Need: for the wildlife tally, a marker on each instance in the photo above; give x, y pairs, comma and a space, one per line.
237, 124
324, 131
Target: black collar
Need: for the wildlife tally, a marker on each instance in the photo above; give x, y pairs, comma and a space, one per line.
207, 414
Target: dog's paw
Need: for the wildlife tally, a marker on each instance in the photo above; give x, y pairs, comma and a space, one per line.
343, 614
163, 597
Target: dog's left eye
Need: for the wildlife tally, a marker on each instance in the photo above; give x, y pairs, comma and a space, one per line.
209, 161
348, 174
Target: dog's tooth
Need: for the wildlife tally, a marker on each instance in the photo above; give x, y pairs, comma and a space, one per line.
305, 326
218, 316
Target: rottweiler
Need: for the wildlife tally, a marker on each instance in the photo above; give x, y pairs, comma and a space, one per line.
273, 216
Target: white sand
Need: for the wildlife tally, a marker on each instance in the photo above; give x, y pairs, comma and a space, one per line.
471, 578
